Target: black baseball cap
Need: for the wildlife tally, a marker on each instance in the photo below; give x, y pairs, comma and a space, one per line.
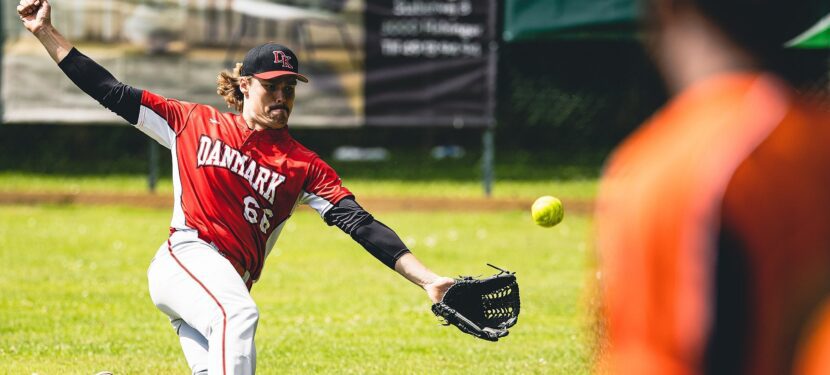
271, 60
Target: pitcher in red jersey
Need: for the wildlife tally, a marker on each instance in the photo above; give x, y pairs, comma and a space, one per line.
237, 178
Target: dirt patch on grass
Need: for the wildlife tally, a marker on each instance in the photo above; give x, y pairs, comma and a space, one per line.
372, 204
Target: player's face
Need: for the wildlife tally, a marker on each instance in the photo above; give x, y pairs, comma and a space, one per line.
268, 103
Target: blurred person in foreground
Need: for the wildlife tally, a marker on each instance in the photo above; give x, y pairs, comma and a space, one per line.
713, 218
237, 178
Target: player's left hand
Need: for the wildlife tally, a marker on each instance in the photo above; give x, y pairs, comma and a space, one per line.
438, 287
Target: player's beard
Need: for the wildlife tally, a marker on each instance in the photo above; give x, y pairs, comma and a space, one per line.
277, 116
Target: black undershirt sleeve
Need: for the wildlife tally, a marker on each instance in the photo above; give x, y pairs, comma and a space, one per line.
98, 83
378, 239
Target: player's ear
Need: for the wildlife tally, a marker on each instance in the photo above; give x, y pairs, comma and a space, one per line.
244, 85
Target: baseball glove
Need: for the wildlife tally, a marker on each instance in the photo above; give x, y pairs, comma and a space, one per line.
484, 308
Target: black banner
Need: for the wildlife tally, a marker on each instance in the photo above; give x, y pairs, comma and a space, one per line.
429, 62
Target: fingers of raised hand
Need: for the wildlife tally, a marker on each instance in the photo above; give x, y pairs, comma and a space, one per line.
28, 7
24, 7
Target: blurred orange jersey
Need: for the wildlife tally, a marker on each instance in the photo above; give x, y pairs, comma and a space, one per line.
713, 229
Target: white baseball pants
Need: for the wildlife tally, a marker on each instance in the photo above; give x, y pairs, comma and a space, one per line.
207, 303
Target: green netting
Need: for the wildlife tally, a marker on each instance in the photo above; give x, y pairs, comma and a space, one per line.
534, 19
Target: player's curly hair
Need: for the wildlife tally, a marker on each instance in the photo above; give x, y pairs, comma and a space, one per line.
228, 87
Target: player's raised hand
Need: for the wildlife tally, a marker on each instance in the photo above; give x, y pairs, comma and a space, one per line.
35, 14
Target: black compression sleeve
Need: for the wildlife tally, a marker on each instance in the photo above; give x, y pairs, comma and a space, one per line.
378, 239
347, 215
98, 83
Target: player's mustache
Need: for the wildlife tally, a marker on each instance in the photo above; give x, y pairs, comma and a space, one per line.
278, 106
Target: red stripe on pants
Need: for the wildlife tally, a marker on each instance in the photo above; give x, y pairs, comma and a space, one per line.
224, 316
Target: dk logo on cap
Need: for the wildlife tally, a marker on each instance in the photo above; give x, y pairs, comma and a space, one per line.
271, 60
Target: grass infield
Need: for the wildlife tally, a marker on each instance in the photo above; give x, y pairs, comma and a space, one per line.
75, 301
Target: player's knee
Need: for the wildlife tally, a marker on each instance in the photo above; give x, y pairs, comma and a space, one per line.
244, 317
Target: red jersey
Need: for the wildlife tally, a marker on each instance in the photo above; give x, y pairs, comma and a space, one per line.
233, 186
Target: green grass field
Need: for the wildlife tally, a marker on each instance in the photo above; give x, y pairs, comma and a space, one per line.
75, 301
578, 188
